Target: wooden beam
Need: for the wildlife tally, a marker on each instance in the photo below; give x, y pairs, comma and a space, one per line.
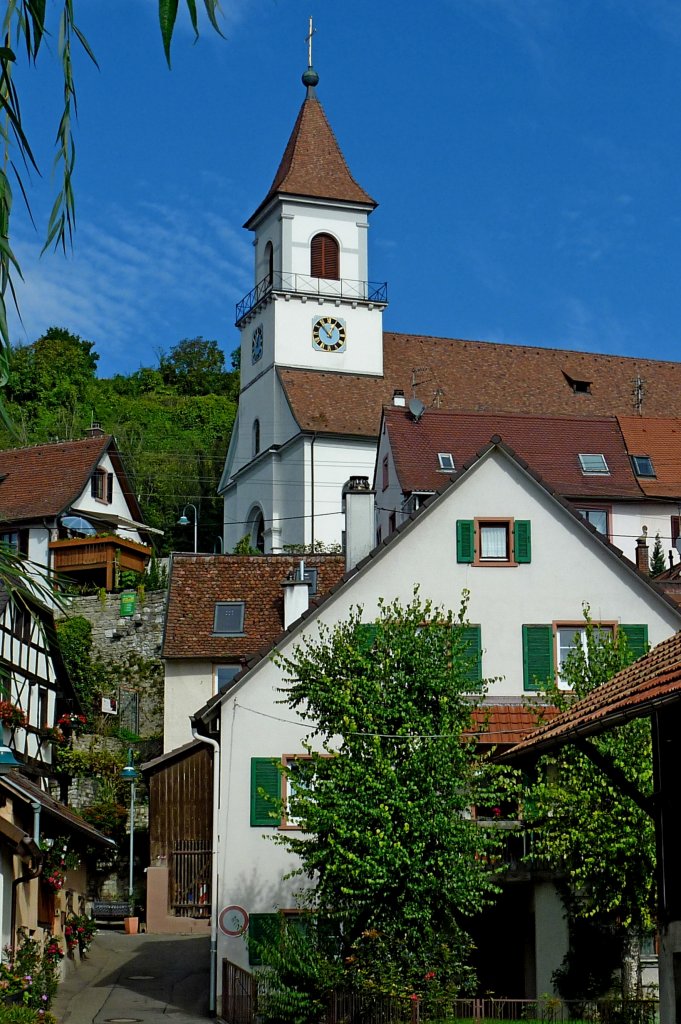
616, 776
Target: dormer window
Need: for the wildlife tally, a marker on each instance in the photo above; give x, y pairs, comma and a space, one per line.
580, 387
229, 618
325, 257
446, 461
643, 465
594, 465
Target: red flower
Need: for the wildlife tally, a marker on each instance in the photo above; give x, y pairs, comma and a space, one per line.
429, 976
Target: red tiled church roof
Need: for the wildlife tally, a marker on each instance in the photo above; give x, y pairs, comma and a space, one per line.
313, 164
479, 376
551, 445
46, 479
197, 582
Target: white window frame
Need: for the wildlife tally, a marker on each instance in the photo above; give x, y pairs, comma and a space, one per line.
446, 461
573, 629
590, 468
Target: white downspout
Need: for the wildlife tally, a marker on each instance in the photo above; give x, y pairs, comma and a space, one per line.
214, 867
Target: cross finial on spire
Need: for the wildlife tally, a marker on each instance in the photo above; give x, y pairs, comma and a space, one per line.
311, 31
310, 76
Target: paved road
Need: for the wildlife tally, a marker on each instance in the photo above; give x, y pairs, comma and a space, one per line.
129, 978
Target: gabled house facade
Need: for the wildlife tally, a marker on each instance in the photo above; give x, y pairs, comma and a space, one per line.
621, 473
70, 509
221, 611
500, 533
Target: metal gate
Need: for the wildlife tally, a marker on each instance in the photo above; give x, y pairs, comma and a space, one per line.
190, 876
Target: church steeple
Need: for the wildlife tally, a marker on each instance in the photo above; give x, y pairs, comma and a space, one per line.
313, 165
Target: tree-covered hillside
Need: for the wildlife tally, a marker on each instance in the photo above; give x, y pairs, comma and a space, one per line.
172, 421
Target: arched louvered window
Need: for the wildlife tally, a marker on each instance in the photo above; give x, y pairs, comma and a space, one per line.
325, 257
269, 262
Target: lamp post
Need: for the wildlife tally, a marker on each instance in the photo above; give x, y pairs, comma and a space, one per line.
7, 759
129, 774
183, 521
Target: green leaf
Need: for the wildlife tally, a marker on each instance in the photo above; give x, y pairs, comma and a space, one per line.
167, 13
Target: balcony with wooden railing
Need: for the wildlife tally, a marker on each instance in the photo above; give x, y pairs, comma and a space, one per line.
98, 559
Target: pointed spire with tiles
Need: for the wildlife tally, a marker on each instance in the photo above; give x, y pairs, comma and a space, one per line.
313, 164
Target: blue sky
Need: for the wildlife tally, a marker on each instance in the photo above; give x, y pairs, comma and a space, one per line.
525, 155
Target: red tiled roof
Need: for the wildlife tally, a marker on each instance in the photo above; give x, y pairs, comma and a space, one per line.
551, 445
652, 680
480, 376
659, 438
197, 582
46, 479
313, 164
503, 724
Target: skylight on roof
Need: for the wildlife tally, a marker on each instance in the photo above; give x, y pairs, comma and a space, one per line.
229, 618
593, 465
643, 465
446, 461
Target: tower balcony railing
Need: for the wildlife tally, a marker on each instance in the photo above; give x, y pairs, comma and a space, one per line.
305, 284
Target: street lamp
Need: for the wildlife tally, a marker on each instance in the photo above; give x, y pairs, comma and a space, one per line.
129, 774
183, 521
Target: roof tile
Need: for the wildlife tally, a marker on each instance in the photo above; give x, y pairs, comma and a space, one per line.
46, 479
551, 445
313, 164
197, 582
508, 379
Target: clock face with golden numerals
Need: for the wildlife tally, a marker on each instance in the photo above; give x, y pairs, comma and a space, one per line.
328, 334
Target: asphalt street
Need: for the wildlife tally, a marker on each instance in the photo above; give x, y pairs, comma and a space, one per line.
137, 979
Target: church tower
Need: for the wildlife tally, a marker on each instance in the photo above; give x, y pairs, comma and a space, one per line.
312, 308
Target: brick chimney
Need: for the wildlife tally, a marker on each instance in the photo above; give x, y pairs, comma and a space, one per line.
642, 559
94, 430
360, 526
296, 595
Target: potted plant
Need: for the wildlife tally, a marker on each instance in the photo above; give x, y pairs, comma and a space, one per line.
12, 715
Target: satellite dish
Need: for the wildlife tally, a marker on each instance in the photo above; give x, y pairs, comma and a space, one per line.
78, 525
416, 408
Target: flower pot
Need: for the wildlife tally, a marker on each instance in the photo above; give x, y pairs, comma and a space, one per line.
131, 925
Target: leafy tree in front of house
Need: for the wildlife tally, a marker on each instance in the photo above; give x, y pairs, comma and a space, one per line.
398, 862
598, 841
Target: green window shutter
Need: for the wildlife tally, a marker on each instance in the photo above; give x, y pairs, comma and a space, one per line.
465, 540
637, 639
522, 540
265, 786
366, 635
473, 651
262, 928
538, 666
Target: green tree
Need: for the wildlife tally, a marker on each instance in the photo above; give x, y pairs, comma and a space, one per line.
657, 562
596, 838
196, 367
399, 864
